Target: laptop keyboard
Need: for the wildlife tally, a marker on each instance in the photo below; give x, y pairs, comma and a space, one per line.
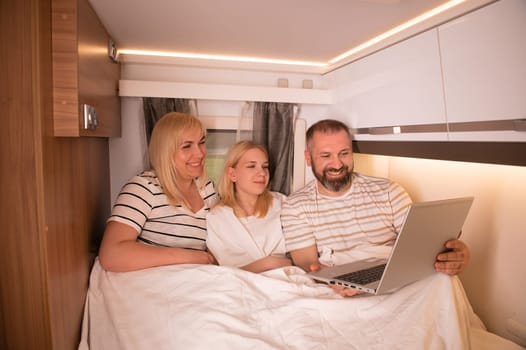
364, 276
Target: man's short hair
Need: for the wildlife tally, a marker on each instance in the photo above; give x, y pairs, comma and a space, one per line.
326, 126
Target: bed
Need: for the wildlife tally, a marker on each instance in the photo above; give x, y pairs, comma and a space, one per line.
215, 307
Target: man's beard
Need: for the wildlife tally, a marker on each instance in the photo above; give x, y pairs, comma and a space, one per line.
334, 185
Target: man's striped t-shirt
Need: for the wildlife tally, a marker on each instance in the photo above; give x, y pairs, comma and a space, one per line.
143, 205
363, 221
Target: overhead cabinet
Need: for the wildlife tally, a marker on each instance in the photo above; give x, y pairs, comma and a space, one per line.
397, 86
484, 66
85, 79
462, 81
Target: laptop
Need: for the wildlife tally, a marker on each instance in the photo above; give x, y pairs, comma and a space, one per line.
426, 227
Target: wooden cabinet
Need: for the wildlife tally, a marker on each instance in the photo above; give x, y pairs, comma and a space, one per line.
484, 65
399, 85
83, 73
55, 193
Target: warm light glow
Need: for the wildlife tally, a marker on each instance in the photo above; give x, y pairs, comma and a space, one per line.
425, 16
398, 29
221, 58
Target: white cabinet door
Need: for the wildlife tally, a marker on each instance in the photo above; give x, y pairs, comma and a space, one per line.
397, 86
484, 66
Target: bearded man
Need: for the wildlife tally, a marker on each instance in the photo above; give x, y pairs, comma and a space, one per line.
344, 216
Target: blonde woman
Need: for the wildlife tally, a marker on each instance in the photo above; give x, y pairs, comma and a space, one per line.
159, 217
244, 229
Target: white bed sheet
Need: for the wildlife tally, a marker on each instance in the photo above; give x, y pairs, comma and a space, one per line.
213, 307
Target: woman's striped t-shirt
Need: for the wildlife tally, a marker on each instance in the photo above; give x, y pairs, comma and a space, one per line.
143, 205
356, 224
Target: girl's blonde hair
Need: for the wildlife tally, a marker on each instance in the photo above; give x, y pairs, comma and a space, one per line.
227, 189
166, 136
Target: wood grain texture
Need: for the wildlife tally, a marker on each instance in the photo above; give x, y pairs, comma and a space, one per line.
65, 105
98, 74
55, 193
65, 67
76, 174
23, 302
82, 71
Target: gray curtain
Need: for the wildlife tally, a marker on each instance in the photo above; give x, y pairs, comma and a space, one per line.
273, 127
155, 107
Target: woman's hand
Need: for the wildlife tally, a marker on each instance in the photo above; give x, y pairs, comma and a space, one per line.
267, 263
197, 257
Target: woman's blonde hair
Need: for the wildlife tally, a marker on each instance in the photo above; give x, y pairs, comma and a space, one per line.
166, 136
227, 189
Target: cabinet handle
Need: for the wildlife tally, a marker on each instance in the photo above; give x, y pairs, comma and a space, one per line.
89, 115
486, 125
520, 124
489, 125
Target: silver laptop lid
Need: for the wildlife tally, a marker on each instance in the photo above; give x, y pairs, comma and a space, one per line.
427, 226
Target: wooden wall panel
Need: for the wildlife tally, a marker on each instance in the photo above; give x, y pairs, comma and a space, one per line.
82, 71
23, 301
65, 104
55, 193
98, 75
65, 67
76, 176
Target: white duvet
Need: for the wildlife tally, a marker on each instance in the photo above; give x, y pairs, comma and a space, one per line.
213, 307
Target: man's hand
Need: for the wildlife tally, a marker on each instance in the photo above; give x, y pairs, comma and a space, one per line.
455, 260
343, 291
304, 257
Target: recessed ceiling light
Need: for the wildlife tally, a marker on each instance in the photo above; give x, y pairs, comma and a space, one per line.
424, 16
412, 22
221, 58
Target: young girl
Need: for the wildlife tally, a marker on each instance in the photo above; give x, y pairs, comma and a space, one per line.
244, 229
